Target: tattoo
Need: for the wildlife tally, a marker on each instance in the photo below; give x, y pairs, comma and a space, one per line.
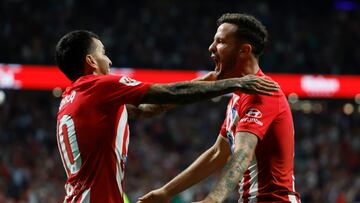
234, 169
190, 91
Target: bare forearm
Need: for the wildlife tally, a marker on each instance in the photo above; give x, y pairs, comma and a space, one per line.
233, 171
245, 144
205, 165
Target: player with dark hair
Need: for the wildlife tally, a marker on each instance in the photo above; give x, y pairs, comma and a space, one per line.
92, 122
255, 146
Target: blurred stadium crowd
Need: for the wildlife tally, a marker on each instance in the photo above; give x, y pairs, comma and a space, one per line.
305, 37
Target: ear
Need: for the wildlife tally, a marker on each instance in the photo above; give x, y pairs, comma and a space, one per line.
90, 61
245, 49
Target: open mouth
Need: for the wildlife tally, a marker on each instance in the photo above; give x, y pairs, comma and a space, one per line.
215, 59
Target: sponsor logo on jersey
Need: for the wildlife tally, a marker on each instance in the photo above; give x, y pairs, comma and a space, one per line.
254, 113
128, 81
252, 116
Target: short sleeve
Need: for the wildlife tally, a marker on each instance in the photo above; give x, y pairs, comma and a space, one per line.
256, 114
118, 90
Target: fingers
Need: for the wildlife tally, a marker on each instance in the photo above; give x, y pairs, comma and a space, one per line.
262, 81
147, 196
268, 83
263, 92
267, 88
260, 91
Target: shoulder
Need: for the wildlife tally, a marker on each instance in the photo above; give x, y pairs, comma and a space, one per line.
260, 102
94, 79
116, 79
101, 80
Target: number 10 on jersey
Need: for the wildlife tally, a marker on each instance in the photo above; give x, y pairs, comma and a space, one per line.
69, 149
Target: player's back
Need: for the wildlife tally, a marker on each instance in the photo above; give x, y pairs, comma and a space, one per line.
93, 137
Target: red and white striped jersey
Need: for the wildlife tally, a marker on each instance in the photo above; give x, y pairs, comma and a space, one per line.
269, 177
93, 136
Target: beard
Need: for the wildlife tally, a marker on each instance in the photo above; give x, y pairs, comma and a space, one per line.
225, 70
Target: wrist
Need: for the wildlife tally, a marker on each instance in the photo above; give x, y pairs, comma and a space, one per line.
167, 191
239, 83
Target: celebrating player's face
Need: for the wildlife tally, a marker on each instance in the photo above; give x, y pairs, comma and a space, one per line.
224, 50
102, 61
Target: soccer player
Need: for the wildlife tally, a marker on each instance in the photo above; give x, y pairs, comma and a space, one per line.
92, 122
255, 146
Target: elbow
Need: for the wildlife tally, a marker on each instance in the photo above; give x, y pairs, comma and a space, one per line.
219, 156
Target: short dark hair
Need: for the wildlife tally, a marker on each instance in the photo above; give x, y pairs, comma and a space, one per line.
71, 51
249, 29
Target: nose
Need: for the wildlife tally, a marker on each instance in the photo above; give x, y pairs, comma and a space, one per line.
212, 47
110, 63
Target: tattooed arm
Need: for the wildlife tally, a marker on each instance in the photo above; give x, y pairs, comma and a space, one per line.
167, 96
194, 91
148, 110
245, 144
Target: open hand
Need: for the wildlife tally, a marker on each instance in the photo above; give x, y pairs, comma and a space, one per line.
252, 84
155, 196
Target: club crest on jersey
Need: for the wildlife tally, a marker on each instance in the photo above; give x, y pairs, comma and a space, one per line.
233, 113
252, 115
128, 81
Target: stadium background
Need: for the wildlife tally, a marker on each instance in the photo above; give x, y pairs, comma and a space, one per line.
317, 37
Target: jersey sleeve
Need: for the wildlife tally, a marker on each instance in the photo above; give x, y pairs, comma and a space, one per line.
256, 114
118, 90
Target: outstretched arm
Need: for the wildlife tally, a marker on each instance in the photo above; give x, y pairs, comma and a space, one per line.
149, 110
211, 160
245, 144
194, 91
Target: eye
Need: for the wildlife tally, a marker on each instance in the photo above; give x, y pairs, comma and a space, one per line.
220, 40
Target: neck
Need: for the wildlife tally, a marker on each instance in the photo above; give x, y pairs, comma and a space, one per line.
249, 67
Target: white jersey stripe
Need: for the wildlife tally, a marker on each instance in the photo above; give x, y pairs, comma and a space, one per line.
253, 192
293, 199
85, 197
232, 119
61, 154
118, 147
293, 183
241, 191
